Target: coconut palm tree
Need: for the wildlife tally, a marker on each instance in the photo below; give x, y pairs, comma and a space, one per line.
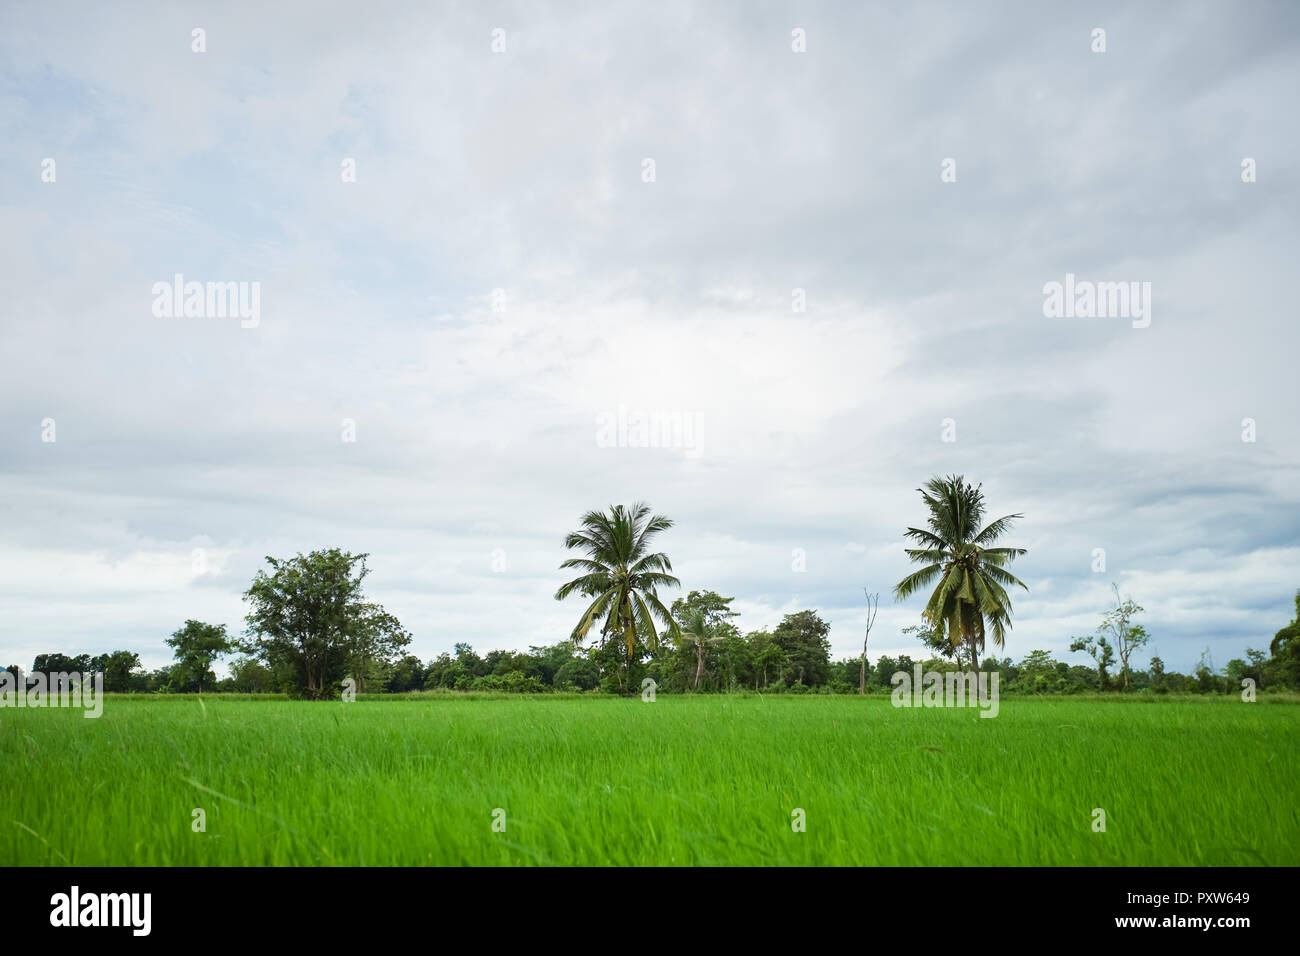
697, 632
969, 599
622, 577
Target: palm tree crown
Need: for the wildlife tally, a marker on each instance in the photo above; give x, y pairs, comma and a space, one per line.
622, 576
955, 550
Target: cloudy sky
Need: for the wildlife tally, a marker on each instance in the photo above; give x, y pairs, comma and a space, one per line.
507, 271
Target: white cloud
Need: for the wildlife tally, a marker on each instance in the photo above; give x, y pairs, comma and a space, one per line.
521, 172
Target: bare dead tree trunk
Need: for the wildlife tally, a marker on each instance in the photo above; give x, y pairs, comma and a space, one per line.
873, 604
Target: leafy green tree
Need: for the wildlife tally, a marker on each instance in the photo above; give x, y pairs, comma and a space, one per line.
1207, 678
250, 676
1285, 648
1174, 682
474, 665
1079, 678
768, 656
697, 633
61, 664
622, 576
802, 636
550, 659
117, 668
308, 620
1100, 650
197, 646
886, 668
1252, 668
717, 609
735, 660
1117, 636
152, 682
444, 672
1038, 673
1257, 667
372, 644
407, 675
844, 677
703, 621
904, 663
1157, 673
1007, 670
1125, 636
933, 642
969, 598
618, 674
578, 673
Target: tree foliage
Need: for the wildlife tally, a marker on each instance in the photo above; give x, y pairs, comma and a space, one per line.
969, 576
622, 576
197, 647
309, 622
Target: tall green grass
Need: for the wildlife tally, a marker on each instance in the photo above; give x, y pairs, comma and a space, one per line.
682, 780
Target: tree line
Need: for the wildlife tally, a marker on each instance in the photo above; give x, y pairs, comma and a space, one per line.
791, 658
310, 629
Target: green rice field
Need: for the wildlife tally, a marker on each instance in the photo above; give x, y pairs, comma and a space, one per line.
549, 779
